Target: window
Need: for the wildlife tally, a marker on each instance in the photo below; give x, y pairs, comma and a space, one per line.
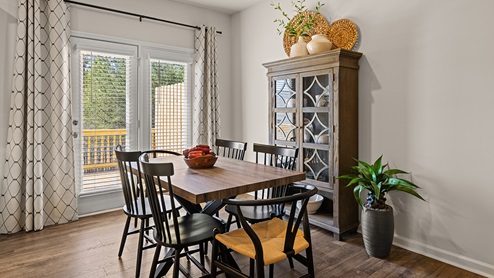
168, 123
169, 105
105, 83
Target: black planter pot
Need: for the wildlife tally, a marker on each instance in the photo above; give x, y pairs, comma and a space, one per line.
378, 231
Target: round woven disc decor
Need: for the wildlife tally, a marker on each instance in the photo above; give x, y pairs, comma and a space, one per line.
343, 34
320, 26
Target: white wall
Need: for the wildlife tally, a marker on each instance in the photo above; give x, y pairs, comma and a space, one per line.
425, 103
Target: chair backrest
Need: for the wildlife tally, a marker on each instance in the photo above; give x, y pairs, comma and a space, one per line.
132, 187
132, 190
277, 156
157, 177
298, 215
230, 149
161, 153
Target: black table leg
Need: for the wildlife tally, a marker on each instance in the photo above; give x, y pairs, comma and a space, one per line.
212, 207
188, 206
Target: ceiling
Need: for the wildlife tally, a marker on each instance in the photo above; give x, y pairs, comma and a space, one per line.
224, 6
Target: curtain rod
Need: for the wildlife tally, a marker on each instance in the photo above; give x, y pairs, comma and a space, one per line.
140, 16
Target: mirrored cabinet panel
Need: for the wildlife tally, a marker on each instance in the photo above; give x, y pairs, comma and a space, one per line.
313, 106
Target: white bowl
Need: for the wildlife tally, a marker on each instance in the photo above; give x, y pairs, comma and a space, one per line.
314, 204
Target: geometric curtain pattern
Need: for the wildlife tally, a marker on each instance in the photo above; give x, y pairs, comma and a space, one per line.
38, 187
206, 105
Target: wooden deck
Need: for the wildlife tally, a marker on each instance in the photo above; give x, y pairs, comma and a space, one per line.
101, 180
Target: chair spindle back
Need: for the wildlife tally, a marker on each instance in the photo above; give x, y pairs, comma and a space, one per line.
131, 183
157, 177
230, 149
277, 156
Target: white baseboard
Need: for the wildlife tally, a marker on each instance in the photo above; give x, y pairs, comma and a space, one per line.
460, 261
99, 212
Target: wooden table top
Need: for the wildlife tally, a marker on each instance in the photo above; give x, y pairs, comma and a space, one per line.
228, 177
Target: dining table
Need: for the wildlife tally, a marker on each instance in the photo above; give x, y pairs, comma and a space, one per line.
201, 190
227, 178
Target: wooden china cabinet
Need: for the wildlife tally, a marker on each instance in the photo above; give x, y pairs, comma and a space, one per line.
313, 106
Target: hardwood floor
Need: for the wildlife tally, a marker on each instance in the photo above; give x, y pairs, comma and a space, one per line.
88, 248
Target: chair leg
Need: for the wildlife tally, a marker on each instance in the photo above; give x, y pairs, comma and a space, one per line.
155, 261
201, 252
310, 261
251, 267
290, 261
260, 269
139, 248
176, 263
187, 250
271, 270
147, 225
124, 236
214, 257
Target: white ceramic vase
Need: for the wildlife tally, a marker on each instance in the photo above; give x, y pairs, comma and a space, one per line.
299, 48
319, 43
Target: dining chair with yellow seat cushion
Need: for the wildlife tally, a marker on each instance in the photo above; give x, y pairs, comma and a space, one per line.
276, 156
270, 241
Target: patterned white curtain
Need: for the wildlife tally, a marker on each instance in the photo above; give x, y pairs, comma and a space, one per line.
38, 187
206, 113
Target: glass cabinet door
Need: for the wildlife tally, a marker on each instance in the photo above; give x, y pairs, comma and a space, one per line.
285, 108
317, 100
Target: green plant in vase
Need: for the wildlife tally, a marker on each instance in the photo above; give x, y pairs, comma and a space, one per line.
378, 182
377, 217
298, 26
302, 25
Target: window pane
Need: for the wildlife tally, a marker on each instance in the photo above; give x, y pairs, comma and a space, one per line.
105, 83
170, 113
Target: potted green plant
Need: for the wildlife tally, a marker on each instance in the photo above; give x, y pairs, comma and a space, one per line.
377, 217
299, 26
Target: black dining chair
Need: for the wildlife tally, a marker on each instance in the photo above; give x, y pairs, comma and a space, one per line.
230, 149
177, 233
268, 242
136, 203
277, 156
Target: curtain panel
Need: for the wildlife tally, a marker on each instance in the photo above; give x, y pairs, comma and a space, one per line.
38, 187
206, 106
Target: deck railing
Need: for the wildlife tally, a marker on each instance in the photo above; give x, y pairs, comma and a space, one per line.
99, 148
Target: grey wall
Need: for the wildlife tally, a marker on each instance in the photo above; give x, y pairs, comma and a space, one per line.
425, 102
